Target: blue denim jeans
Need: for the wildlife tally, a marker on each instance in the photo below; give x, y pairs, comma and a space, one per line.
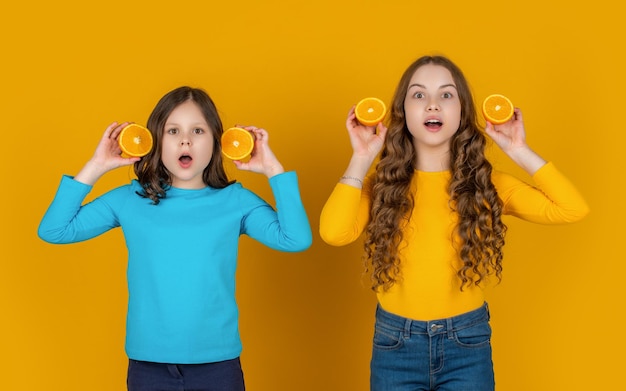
218, 376
452, 354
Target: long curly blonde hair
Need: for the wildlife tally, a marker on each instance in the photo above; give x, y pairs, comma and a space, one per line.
480, 231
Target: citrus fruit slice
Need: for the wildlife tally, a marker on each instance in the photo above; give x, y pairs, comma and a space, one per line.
135, 141
237, 143
497, 109
370, 111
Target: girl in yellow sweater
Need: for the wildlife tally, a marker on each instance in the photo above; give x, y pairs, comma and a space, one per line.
431, 213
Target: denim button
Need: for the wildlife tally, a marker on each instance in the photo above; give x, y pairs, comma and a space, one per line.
435, 327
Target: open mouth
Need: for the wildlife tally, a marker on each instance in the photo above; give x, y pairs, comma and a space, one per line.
185, 160
433, 124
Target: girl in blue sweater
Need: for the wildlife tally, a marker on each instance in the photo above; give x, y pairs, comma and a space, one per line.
181, 219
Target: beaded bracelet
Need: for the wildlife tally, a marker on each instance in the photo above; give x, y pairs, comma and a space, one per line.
353, 178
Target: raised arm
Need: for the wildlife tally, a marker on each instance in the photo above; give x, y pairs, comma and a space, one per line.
66, 220
367, 142
555, 200
511, 138
106, 157
346, 211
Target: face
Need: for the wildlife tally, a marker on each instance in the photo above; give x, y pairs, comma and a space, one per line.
432, 109
187, 146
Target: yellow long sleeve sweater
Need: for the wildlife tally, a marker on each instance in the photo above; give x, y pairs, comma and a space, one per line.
429, 287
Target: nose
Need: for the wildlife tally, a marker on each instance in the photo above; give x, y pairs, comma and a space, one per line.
433, 106
185, 141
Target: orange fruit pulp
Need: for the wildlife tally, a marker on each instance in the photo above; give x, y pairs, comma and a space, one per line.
135, 141
497, 109
237, 143
370, 111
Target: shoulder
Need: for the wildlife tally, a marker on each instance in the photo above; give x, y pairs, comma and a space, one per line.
547, 172
130, 188
123, 193
232, 189
502, 180
71, 185
234, 192
239, 191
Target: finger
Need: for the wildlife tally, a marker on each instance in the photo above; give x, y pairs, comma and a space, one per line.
490, 130
382, 130
109, 129
130, 160
259, 134
241, 165
351, 121
351, 114
253, 130
118, 129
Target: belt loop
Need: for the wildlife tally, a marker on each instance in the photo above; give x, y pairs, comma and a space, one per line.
407, 328
450, 328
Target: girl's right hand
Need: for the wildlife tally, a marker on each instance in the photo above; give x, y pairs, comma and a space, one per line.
366, 141
106, 157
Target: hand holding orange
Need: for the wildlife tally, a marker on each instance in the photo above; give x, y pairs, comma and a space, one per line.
237, 143
370, 111
135, 141
497, 109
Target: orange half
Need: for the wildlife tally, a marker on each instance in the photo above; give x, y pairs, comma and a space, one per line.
370, 111
497, 109
237, 143
135, 141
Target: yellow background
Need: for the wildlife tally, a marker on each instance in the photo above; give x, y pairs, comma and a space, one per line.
69, 68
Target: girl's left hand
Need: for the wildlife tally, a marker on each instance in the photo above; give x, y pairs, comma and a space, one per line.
262, 160
509, 135
511, 138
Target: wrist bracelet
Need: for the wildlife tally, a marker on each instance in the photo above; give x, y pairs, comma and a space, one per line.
353, 178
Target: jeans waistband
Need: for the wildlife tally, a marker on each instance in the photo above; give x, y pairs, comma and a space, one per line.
432, 327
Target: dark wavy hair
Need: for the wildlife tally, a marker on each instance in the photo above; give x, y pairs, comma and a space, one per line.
479, 232
150, 170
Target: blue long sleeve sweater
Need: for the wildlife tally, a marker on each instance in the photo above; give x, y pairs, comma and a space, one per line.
182, 257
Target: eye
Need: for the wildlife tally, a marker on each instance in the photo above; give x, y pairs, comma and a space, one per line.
418, 95
172, 131
446, 95
198, 131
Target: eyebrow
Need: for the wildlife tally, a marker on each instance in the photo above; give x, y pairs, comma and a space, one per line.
201, 124
424, 87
